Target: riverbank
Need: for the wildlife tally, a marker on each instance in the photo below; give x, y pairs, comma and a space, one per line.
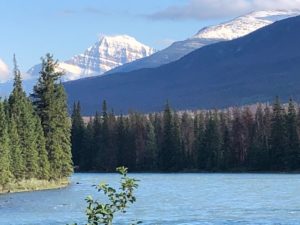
34, 185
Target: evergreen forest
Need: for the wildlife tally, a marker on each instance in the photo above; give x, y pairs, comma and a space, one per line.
240, 139
35, 130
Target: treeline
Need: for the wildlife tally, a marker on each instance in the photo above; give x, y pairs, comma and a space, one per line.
238, 139
35, 131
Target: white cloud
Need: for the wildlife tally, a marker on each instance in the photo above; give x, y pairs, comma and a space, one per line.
4, 72
7, 75
214, 9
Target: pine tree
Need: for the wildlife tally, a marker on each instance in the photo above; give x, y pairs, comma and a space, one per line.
293, 148
166, 156
106, 148
225, 151
248, 130
278, 137
170, 150
63, 130
258, 155
97, 144
17, 161
199, 150
50, 104
211, 143
187, 136
105, 138
238, 139
86, 161
178, 150
5, 173
21, 111
139, 132
151, 147
43, 162
77, 133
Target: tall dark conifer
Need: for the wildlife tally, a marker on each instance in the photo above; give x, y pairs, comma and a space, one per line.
5, 172
293, 148
77, 134
16, 156
21, 111
50, 104
167, 158
278, 138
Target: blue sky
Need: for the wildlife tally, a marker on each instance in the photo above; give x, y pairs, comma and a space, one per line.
32, 28
66, 27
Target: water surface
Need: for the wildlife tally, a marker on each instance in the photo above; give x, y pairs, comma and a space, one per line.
171, 199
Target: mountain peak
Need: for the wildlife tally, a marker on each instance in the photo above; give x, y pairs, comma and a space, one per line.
122, 40
244, 25
107, 53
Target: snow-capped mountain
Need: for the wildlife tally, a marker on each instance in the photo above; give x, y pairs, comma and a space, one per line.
109, 52
233, 29
243, 71
244, 25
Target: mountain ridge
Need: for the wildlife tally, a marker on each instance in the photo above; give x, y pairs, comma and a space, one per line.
252, 68
235, 28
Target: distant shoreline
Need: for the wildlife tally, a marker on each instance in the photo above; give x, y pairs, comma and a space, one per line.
34, 185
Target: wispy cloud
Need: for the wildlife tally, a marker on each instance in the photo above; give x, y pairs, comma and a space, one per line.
4, 72
91, 10
67, 12
214, 9
164, 42
86, 10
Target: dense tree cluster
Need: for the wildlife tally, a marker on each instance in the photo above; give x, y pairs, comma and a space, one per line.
238, 139
35, 131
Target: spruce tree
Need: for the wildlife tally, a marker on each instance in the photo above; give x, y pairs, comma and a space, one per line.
121, 142
5, 173
187, 136
238, 144
225, 151
211, 143
17, 161
278, 137
169, 149
43, 162
258, 155
86, 161
77, 133
50, 104
21, 111
151, 147
199, 134
178, 149
105, 153
97, 143
293, 148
